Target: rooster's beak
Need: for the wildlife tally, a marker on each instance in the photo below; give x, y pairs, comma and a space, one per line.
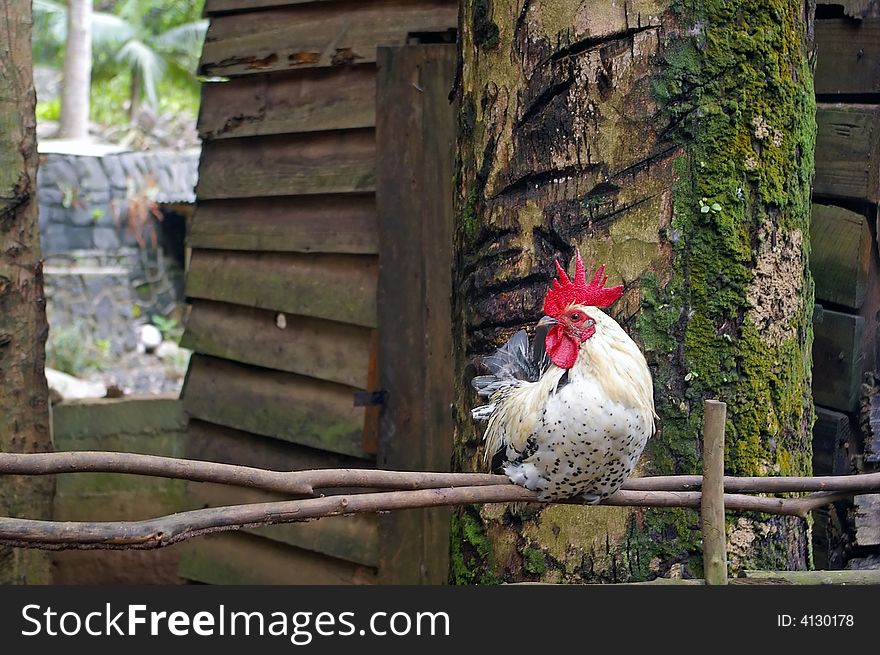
547, 320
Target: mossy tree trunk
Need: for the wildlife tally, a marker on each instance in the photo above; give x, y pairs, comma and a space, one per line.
24, 410
673, 141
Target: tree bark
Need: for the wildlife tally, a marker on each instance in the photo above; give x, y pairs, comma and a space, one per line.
671, 140
77, 78
24, 408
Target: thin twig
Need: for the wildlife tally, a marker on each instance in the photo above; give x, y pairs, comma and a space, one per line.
306, 483
167, 530
297, 483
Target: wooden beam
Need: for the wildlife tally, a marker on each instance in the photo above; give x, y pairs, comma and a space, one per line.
318, 348
275, 404
283, 103
840, 256
867, 519
336, 287
847, 56
838, 354
415, 140
848, 152
870, 414
298, 164
317, 35
831, 437
816, 577
316, 224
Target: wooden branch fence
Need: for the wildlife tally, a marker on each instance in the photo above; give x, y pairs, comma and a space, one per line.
371, 491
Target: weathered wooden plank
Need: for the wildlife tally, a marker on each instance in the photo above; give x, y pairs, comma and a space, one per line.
352, 538
831, 434
816, 577
283, 103
321, 349
847, 58
220, 6
848, 152
867, 519
275, 404
217, 443
237, 558
840, 257
334, 223
838, 354
415, 142
298, 164
336, 287
317, 35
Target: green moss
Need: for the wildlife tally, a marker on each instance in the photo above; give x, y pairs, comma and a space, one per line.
534, 561
470, 549
737, 87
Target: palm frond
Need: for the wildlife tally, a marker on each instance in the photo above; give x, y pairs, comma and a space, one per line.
50, 21
143, 59
111, 30
183, 39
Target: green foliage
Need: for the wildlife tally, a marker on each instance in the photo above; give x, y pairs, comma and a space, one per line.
49, 110
69, 350
170, 328
471, 549
141, 50
534, 561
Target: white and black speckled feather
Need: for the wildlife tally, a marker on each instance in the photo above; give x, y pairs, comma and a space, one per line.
575, 432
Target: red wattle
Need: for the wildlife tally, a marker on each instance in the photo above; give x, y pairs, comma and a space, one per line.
561, 348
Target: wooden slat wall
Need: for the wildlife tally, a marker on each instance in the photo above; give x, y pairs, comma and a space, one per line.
844, 260
317, 34
284, 268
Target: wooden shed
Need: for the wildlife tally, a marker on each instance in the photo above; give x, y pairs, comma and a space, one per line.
296, 295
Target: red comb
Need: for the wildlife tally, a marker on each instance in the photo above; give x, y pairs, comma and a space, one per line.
563, 292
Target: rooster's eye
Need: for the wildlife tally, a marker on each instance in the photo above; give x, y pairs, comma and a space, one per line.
576, 316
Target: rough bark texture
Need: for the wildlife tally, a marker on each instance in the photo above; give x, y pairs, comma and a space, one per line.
77, 71
24, 410
673, 141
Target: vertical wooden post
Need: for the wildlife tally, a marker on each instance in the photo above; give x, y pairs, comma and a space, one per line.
415, 138
712, 504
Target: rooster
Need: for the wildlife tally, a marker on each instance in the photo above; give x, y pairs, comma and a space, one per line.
570, 413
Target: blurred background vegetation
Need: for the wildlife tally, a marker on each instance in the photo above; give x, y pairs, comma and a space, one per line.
144, 86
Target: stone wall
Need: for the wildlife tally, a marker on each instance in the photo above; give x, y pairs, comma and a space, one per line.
109, 261
104, 295
86, 202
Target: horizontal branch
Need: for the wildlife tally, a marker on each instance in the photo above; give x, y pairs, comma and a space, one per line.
167, 530
861, 483
296, 483
307, 483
